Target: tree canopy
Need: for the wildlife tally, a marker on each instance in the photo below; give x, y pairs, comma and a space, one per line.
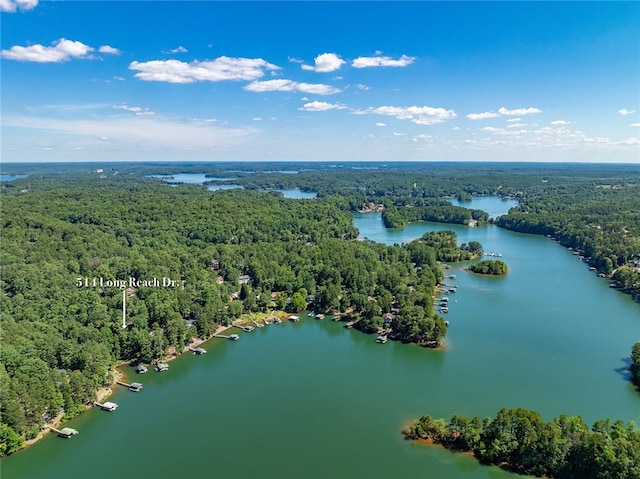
521, 441
70, 247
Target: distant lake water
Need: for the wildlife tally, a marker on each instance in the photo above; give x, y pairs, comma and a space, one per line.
200, 178
298, 194
492, 205
10, 177
315, 400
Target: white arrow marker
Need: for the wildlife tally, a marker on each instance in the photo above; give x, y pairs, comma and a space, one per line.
124, 309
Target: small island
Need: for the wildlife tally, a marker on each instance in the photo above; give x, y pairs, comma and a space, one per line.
492, 267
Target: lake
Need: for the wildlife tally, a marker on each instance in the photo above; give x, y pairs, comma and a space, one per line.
315, 400
200, 178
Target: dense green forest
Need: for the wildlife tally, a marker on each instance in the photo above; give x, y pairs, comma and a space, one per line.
594, 209
432, 210
600, 220
521, 441
70, 245
493, 267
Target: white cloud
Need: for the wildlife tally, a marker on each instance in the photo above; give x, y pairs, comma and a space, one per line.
513, 120
634, 124
62, 50
257, 118
625, 112
362, 87
322, 106
180, 49
381, 124
420, 115
10, 6
502, 131
382, 61
517, 125
503, 112
222, 68
519, 111
139, 111
560, 122
118, 78
482, 116
290, 85
327, 62
109, 50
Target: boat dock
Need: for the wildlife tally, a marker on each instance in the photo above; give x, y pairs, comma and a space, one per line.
135, 387
198, 350
233, 337
107, 406
65, 432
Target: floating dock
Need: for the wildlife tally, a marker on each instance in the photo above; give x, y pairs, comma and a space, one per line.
232, 337
107, 406
198, 350
381, 339
135, 387
162, 367
65, 432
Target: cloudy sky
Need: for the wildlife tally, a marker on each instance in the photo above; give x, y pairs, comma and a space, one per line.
161, 80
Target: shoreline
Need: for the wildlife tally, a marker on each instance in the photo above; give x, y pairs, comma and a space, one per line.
106, 391
101, 394
121, 376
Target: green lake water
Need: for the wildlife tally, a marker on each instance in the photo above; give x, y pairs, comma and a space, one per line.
315, 400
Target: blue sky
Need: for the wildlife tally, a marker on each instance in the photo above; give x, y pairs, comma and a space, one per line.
161, 80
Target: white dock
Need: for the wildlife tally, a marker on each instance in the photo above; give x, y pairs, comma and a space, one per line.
107, 406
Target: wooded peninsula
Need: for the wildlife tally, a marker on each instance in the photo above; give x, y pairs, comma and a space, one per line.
69, 239
521, 441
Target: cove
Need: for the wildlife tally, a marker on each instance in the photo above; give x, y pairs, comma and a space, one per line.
315, 400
